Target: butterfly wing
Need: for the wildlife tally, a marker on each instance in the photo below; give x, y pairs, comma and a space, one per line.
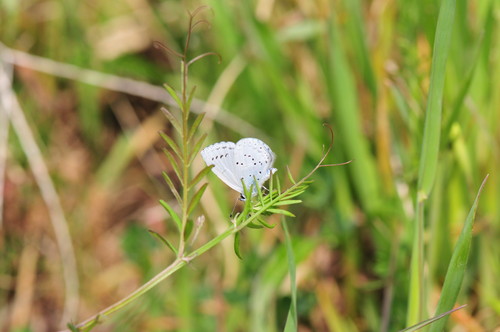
253, 159
221, 155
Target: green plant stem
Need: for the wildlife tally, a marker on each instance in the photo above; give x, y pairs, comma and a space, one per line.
176, 265
182, 260
185, 156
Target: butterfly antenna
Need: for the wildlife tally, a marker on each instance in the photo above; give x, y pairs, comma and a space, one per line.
234, 208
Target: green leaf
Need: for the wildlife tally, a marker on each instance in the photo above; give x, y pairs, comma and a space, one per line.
172, 187
90, 326
280, 211
195, 126
174, 95
430, 320
72, 327
189, 229
290, 177
291, 320
197, 147
254, 226
237, 245
265, 224
172, 214
457, 266
288, 202
196, 198
172, 145
163, 240
200, 176
429, 155
190, 98
173, 163
294, 193
173, 120
433, 113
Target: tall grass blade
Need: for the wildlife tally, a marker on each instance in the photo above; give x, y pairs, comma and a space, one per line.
433, 113
344, 96
457, 266
291, 320
429, 155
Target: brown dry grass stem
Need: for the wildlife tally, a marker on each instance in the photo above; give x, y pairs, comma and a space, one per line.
124, 85
12, 108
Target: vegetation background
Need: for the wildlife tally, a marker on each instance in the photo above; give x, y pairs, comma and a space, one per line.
287, 67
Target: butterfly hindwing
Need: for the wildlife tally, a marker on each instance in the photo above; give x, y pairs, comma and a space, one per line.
253, 161
221, 155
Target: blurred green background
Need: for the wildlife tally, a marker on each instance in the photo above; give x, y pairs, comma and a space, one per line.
287, 67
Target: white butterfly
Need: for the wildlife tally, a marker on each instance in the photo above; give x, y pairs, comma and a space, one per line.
249, 160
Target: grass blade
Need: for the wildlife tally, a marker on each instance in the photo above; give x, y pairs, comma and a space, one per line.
433, 113
291, 320
429, 155
457, 266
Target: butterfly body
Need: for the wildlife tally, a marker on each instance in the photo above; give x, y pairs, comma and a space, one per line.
247, 161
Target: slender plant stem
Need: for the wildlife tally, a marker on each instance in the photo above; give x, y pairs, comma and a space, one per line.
182, 260
176, 265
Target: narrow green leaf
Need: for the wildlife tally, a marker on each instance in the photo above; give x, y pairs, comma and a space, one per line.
429, 155
431, 320
291, 320
90, 326
288, 202
172, 214
196, 148
173, 120
195, 126
237, 245
163, 240
172, 187
189, 229
296, 192
281, 211
254, 226
174, 95
196, 198
200, 176
190, 98
278, 184
72, 327
172, 145
290, 177
433, 113
173, 163
458, 264
259, 192
265, 224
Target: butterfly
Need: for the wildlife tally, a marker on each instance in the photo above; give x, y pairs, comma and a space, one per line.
248, 161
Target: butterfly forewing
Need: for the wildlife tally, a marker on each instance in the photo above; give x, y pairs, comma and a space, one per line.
221, 155
253, 161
